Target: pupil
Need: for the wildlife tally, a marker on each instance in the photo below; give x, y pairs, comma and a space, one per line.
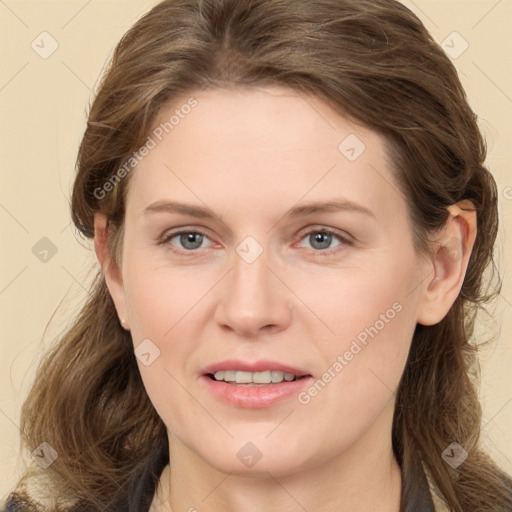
191, 240
323, 240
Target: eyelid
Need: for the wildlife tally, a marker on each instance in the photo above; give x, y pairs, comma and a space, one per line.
343, 238
170, 234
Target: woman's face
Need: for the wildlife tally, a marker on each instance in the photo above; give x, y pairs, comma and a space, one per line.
266, 235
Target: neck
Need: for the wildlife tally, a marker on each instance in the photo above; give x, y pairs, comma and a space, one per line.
364, 477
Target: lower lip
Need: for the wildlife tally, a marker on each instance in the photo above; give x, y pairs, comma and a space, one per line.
255, 397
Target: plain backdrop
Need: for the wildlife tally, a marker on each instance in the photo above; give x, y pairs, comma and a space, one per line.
43, 102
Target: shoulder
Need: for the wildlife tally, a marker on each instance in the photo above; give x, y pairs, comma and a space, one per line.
22, 502
35, 493
19, 502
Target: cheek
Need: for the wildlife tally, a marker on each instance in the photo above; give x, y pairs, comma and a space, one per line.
373, 317
157, 310
164, 305
159, 296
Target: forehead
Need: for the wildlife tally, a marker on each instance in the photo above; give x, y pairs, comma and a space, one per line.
265, 147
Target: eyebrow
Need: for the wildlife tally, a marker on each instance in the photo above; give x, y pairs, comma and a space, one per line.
176, 207
297, 211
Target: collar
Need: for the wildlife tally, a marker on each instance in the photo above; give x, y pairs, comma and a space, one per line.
416, 496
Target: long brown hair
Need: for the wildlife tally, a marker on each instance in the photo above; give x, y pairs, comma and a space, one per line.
373, 61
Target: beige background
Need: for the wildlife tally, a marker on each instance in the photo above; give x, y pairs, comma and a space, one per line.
42, 107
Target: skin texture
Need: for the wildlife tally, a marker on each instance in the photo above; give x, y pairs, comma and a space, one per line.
249, 156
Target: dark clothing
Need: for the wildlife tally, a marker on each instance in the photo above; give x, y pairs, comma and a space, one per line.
416, 497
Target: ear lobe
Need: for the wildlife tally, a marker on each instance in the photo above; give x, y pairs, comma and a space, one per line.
449, 263
111, 271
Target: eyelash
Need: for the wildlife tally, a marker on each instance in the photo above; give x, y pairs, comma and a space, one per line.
319, 252
344, 241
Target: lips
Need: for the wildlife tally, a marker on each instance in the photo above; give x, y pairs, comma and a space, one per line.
239, 384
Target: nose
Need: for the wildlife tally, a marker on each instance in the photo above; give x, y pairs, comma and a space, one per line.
253, 301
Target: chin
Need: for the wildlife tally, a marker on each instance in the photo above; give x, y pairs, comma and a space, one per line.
259, 455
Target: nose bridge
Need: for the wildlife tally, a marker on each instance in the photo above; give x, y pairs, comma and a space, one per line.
252, 297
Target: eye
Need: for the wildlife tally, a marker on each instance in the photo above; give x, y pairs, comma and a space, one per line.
187, 240
322, 240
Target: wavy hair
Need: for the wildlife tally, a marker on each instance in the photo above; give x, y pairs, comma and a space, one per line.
371, 60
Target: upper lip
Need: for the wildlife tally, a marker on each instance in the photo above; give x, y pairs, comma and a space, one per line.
254, 366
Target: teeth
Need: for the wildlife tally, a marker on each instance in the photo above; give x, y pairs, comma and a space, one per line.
229, 376
266, 377
277, 376
243, 377
262, 377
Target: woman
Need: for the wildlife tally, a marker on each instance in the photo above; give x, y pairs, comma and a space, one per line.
291, 212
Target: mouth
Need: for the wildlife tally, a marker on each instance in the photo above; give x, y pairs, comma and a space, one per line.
253, 379
254, 384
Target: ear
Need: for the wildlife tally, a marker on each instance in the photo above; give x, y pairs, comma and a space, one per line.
449, 263
111, 271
